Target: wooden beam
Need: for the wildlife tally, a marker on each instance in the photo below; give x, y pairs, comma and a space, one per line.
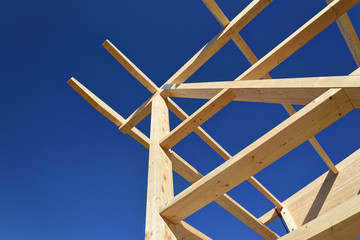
341, 222
304, 34
128, 65
237, 39
310, 120
138, 115
347, 30
265, 192
244, 48
184, 231
296, 40
221, 151
199, 130
188, 172
287, 91
324, 193
160, 179
197, 118
205, 53
180, 166
107, 111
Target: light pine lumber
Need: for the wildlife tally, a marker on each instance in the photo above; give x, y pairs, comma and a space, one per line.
199, 130
304, 34
324, 193
179, 165
160, 179
348, 32
184, 231
107, 111
341, 222
299, 91
205, 53
222, 152
237, 39
138, 115
197, 118
310, 120
265, 192
244, 48
130, 67
296, 40
189, 173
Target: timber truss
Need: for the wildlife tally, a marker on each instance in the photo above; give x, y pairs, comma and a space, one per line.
335, 194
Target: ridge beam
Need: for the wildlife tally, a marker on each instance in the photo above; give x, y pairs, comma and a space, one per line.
289, 134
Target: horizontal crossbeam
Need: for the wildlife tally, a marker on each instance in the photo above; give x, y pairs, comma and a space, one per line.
291, 90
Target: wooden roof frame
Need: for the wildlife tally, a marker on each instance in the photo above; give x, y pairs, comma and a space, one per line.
327, 99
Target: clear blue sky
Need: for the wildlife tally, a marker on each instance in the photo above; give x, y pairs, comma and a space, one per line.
66, 172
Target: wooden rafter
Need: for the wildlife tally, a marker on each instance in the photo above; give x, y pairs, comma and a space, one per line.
205, 53
310, 120
145, 109
296, 40
244, 48
179, 165
327, 99
347, 30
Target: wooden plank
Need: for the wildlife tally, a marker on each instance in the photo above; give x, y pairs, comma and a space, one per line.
160, 180
107, 111
324, 193
341, 222
310, 120
296, 40
299, 91
259, 69
128, 65
199, 130
188, 172
244, 48
347, 30
205, 53
216, 11
197, 118
237, 39
222, 152
138, 115
265, 192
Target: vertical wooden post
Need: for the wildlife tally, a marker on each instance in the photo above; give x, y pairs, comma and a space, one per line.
160, 179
